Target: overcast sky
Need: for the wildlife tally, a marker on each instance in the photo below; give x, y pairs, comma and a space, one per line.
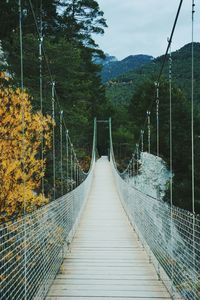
142, 26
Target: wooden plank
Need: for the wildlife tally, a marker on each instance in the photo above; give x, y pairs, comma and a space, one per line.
108, 294
105, 259
108, 271
101, 298
108, 287
121, 283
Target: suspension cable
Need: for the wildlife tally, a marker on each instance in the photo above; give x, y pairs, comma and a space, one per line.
170, 126
167, 51
160, 74
192, 134
166, 54
41, 94
61, 151
170, 40
23, 145
46, 58
171, 163
21, 44
49, 70
192, 110
53, 141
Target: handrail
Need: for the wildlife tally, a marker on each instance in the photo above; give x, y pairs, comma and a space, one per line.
173, 244
29, 262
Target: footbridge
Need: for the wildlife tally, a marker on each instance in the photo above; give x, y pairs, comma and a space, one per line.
104, 239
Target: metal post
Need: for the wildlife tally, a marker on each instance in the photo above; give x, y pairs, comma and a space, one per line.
157, 117
94, 140
133, 165
137, 153
110, 135
61, 151
149, 130
158, 191
75, 174
67, 146
142, 141
53, 149
71, 165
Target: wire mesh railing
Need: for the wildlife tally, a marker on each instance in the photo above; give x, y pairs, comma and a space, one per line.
32, 248
171, 235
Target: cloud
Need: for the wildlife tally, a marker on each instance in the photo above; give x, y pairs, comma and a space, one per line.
143, 26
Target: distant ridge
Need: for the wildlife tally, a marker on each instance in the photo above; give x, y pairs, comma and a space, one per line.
121, 88
113, 68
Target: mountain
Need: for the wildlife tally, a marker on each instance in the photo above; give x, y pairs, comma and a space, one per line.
113, 68
104, 61
121, 88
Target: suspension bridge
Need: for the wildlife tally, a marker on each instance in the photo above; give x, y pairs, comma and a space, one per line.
103, 238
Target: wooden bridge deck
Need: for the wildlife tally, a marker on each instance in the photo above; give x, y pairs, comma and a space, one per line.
106, 260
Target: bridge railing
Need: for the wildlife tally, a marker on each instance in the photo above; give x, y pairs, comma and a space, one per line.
32, 247
170, 235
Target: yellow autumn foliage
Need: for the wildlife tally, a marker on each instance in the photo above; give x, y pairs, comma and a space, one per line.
20, 163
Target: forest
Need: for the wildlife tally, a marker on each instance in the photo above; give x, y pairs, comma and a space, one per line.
67, 29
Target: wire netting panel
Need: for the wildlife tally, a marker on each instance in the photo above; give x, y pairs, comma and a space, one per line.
32, 248
172, 235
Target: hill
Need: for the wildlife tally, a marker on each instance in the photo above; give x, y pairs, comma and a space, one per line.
113, 68
120, 89
104, 61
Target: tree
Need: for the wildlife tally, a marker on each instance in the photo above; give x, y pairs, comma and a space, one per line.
81, 19
78, 84
21, 167
181, 120
9, 17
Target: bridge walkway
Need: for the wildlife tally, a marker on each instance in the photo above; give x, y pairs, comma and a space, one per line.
106, 260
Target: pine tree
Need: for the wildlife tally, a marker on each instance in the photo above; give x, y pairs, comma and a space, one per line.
9, 16
81, 19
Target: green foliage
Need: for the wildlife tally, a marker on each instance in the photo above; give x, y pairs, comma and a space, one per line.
80, 19
181, 128
117, 93
68, 28
133, 92
69, 52
181, 75
8, 18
